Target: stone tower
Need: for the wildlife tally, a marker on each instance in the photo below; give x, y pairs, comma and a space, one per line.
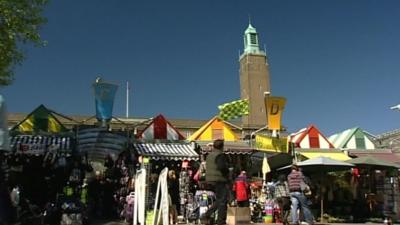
254, 79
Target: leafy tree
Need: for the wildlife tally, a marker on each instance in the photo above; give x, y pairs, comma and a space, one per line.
20, 21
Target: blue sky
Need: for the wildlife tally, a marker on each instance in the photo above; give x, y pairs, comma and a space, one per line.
336, 62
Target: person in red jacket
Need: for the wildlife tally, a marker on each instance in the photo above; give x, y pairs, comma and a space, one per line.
241, 188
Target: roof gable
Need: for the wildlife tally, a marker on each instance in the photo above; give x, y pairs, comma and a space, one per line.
214, 129
40, 120
160, 129
345, 139
310, 137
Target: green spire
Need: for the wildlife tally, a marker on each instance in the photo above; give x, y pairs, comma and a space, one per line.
250, 39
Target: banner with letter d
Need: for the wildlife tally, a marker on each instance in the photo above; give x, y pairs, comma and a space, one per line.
275, 106
104, 94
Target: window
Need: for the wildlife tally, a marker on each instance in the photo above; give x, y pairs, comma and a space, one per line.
218, 134
253, 39
360, 143
314, 142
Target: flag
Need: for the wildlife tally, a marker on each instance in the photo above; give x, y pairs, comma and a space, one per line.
235, 109
104, 94
275, 106
265, 166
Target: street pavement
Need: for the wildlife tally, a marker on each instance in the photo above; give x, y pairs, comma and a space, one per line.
123, 223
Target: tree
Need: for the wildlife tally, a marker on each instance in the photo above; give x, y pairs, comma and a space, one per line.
20, 21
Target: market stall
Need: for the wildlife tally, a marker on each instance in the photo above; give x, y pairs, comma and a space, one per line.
161, 145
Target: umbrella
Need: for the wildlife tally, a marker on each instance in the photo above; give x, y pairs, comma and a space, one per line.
322, 165
372, 162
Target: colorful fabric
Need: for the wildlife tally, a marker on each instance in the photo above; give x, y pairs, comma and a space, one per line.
235, 109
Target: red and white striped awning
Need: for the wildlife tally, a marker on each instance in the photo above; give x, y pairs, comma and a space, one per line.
310, 137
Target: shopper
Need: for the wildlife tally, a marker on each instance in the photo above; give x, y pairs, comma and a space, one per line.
299, 200
173, 190
217, 174
282, 195
241, 188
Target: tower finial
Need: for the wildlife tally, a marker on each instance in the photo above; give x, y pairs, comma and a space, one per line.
249, 19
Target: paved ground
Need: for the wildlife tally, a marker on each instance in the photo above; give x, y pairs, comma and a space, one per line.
123, 223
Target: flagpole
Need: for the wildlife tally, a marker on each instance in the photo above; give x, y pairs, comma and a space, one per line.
127, 99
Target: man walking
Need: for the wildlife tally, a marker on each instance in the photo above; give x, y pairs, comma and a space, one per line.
217, 174
299, 200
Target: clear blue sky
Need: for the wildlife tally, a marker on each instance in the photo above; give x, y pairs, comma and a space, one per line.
336, 62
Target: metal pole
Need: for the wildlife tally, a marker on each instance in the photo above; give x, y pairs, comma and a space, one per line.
127, 99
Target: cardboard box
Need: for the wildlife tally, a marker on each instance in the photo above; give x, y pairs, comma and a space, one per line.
238, 215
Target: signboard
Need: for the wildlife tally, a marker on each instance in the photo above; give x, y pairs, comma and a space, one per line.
271, 144
31, 148
275, 106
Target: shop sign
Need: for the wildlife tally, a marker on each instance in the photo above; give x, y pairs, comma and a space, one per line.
32, 148
271, 144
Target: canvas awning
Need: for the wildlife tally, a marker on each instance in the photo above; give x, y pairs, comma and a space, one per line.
383, 154
336, 155
230, 147
38, 143
166, 151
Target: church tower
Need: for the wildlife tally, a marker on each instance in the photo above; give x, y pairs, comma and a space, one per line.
254, 80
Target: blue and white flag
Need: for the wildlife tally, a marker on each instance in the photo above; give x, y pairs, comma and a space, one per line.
104, 94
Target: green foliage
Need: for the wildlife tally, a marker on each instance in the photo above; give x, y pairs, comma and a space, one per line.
20, 21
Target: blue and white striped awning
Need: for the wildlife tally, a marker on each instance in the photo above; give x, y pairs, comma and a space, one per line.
38, 143
166, 151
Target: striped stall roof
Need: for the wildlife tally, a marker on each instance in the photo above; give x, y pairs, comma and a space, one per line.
310, 137
166, 151
353, 138
62, 143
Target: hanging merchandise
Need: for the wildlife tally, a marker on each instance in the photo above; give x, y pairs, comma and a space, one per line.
186, 197
269, 211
